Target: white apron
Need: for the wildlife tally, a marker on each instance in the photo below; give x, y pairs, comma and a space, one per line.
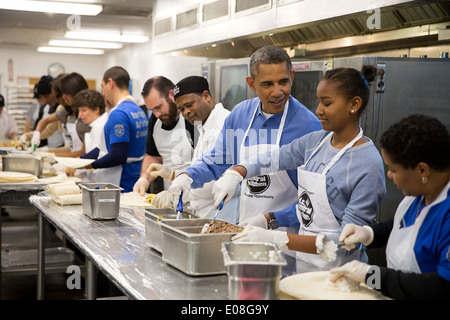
75, 142
314, 211
400, 247
173, 146
265, 193
56, 139
96, 139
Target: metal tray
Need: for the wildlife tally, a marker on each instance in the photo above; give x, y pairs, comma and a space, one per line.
153, 235
254, 270
23, 163
101, 201
185, 248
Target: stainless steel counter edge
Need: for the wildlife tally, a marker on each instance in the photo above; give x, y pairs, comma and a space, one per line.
117, 247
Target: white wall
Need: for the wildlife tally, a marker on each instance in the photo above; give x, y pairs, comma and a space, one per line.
31, 63
137, 60
142, 65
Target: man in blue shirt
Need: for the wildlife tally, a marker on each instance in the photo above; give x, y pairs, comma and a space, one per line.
269, 121
125, 130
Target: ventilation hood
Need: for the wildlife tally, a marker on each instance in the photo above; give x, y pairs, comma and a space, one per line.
400, 25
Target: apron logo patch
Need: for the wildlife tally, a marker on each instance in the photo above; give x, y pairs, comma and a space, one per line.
119, 130
448, 254
305, 208
258, 184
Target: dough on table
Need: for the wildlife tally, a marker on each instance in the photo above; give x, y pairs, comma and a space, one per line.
74, 162
134, 199
16, 177
317, 286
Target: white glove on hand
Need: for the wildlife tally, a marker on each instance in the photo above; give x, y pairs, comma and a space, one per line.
258, 221
162, 200
141, 186
23, 139
181, 184
355, 270
353, 233
255, 234
225, 186
158, 170
36, 139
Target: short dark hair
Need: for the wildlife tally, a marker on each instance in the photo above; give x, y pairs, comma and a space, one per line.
72, 83
268, 55
418, 138
89, 98
160, 83
119, 75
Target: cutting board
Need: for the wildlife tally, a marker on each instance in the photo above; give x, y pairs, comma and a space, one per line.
316, 286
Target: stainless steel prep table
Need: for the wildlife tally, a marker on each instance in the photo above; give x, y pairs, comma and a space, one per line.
117, 248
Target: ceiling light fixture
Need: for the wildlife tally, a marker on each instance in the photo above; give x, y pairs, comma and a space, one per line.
71, 50
52, 7
106, 36
86, 44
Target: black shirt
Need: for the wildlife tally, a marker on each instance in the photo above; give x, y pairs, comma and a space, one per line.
150, 147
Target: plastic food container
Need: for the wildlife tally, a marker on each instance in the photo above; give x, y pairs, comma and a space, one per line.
23, 163
153, 234
254, 270
194, 253
101, 201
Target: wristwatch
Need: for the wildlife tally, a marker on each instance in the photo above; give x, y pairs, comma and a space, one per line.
273, 222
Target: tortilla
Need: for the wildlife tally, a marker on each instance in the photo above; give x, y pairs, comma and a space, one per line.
134, 199
68, 199
75, 163
316, 286
63, 188
16, 177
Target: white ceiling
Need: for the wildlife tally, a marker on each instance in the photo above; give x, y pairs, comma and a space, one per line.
29, 30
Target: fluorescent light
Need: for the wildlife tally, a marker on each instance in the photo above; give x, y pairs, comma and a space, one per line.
52, 7
71, 50
106, 36
85, 44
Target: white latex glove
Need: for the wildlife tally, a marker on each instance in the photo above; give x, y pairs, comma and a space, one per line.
225, 186
141, 186
162, 200
181, 184
23, 139
36, 139
258, 221
158, 170
355, 270
255, 234
353, 233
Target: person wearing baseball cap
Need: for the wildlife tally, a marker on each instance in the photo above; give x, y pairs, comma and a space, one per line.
8, 127
194, 101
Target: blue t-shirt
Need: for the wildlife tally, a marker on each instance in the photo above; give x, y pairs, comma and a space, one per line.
226, 151
128, 123
432, 247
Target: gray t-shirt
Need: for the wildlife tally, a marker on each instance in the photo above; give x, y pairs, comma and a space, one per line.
355, 183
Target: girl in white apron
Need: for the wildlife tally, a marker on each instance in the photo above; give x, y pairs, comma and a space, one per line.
339, 109
96, 137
